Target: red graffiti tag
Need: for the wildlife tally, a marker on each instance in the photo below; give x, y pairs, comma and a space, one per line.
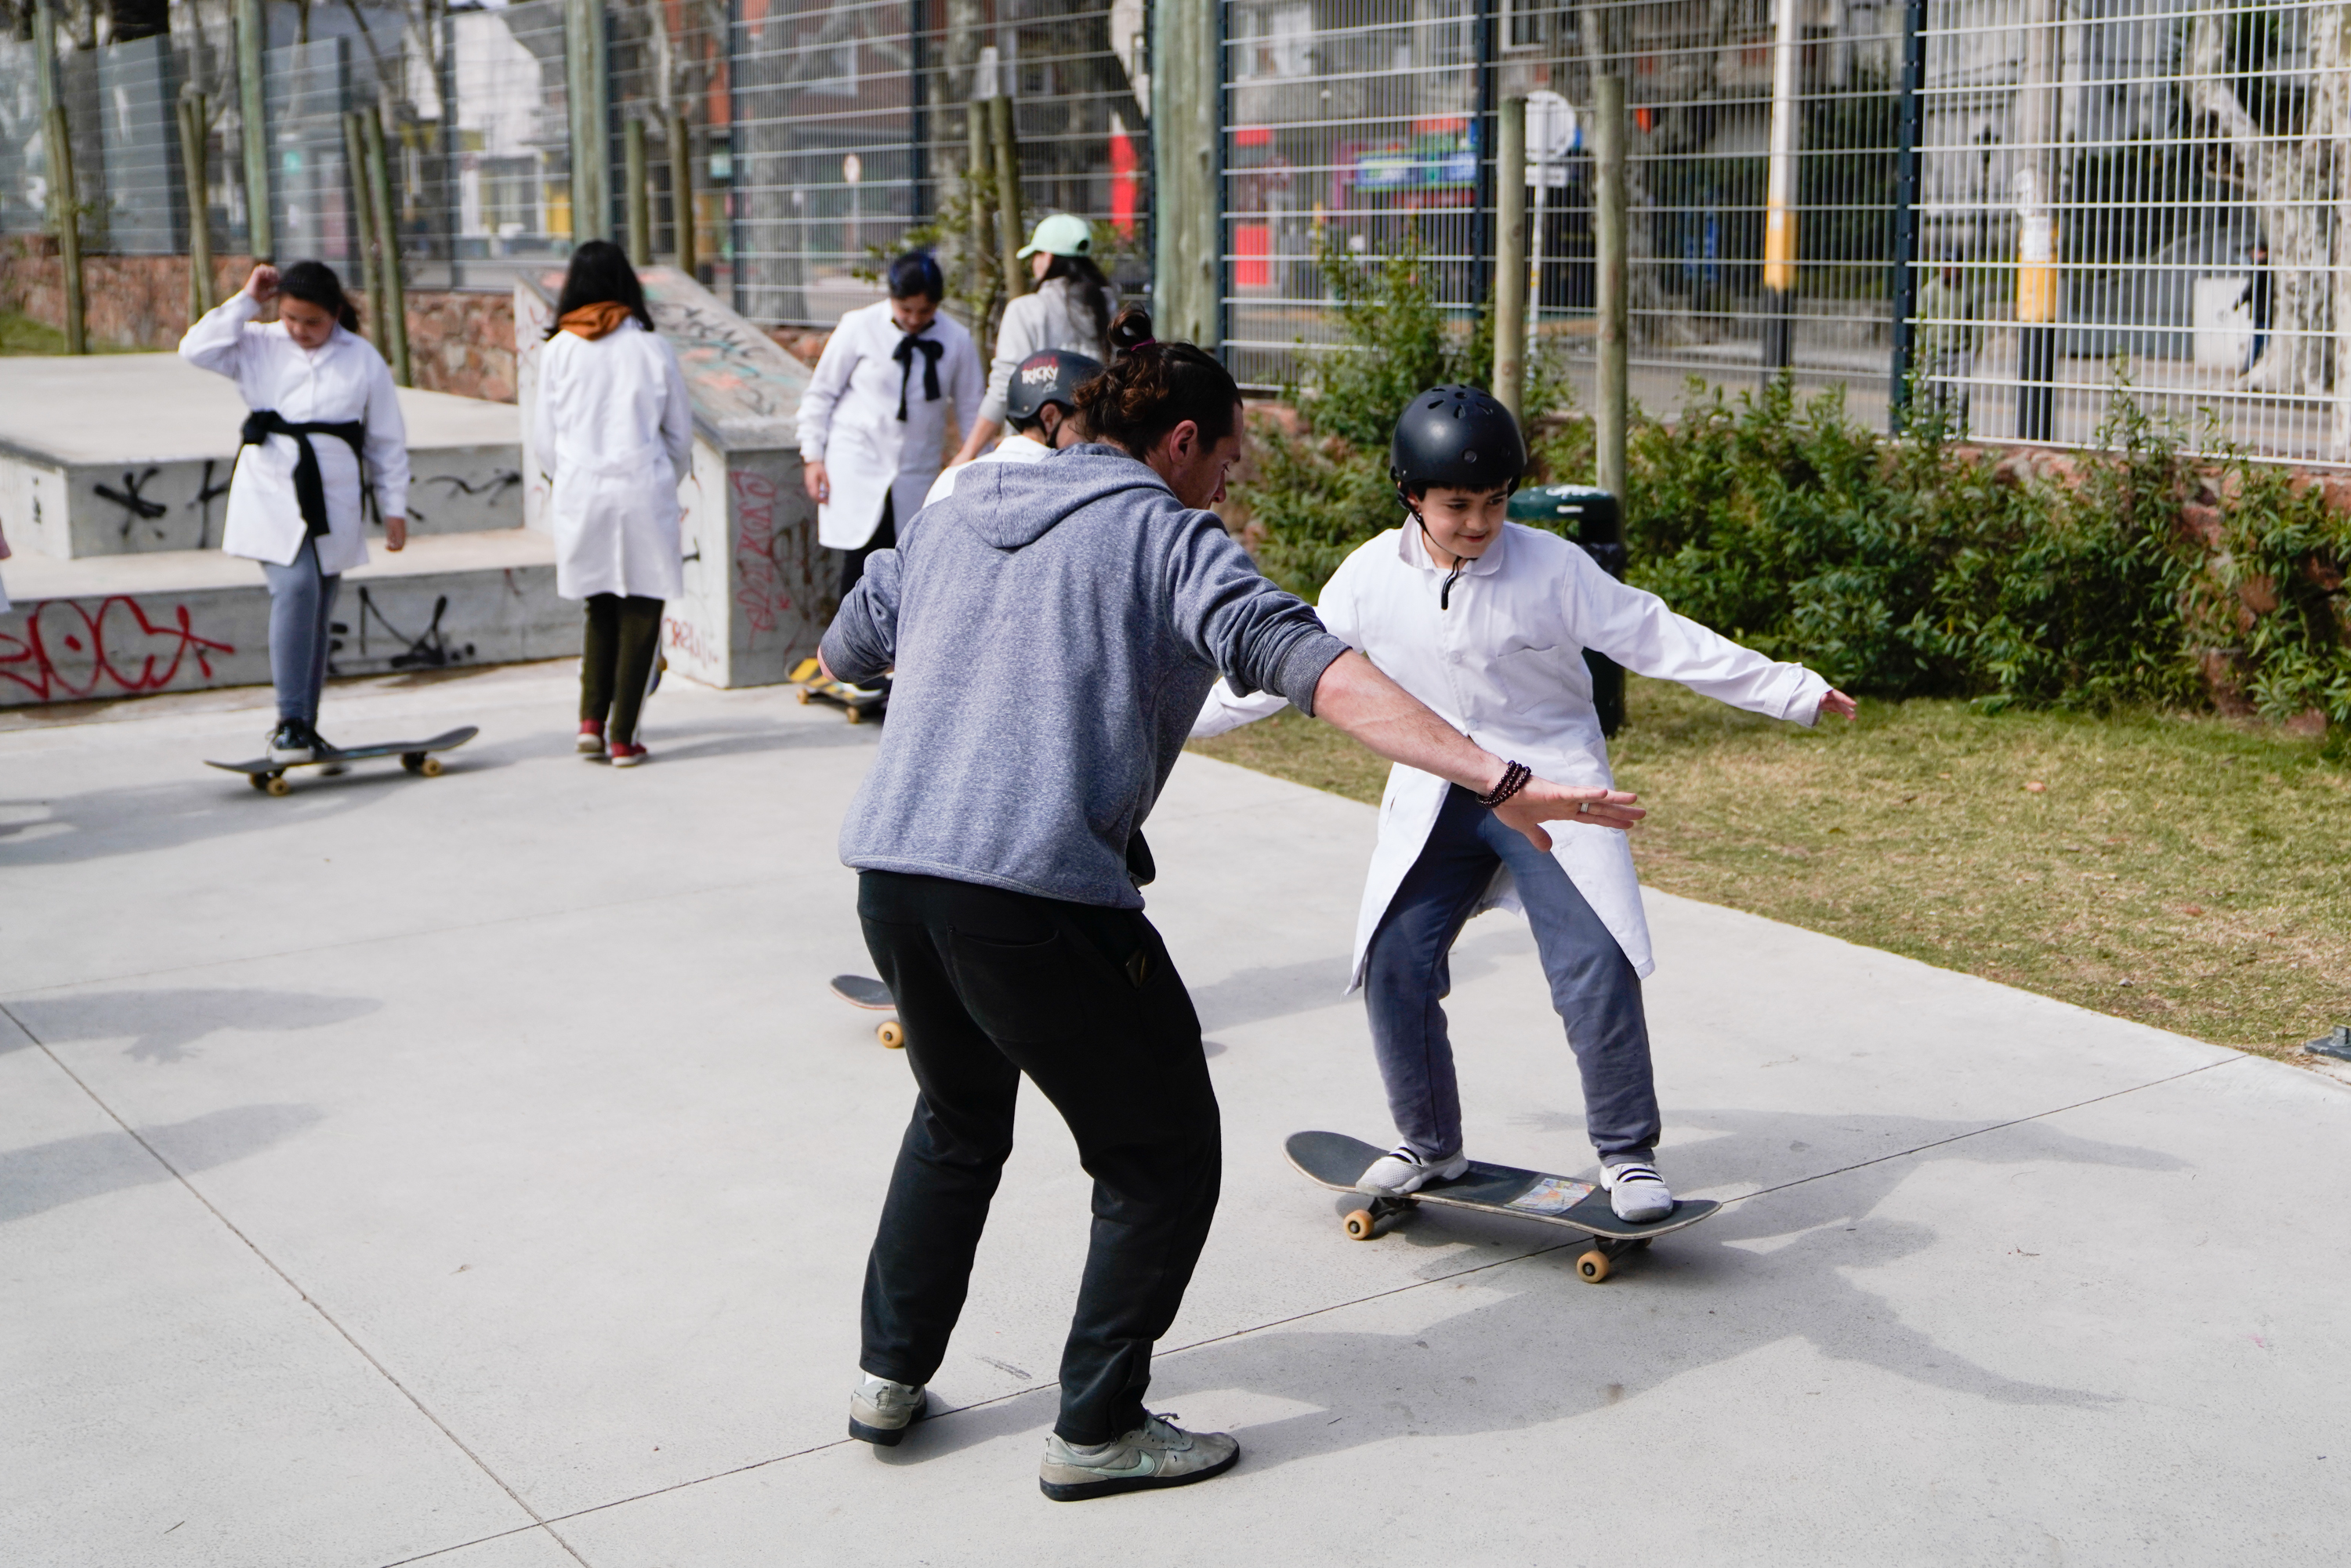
67, 651
759, 585
689, 642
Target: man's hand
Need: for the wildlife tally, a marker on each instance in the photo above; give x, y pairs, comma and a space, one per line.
818, 483
1544, 802
261, 284
395, 534
1836, 703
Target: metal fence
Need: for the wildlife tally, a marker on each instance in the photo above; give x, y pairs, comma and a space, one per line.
2109, 194
2028, 204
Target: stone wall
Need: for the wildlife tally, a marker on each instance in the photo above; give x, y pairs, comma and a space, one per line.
458, 342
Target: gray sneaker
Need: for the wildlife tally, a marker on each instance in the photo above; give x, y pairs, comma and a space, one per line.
880, 1411
1636, 1192
1156, 1454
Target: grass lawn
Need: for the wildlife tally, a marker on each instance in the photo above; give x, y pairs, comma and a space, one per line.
22, 335
2185, 871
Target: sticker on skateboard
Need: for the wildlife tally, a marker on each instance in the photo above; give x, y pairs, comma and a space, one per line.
855, 701
864, 991
1337, 1161
416, 756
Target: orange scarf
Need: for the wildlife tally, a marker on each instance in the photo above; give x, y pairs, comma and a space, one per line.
592, 321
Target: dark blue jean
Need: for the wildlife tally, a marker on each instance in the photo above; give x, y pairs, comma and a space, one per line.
1408, 973
301, 628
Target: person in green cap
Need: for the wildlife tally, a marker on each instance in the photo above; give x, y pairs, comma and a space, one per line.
1069, 309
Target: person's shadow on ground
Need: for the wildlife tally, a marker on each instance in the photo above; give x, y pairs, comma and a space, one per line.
1776, 1266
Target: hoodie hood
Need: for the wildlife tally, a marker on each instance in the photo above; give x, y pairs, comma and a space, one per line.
1012, 505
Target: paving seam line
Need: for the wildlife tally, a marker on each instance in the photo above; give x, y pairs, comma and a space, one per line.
1331, 1307
271, 1264
405, 936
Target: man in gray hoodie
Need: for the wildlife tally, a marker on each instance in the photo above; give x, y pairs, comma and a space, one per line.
1054, 627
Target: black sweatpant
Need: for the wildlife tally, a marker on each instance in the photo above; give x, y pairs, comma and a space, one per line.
616, 662
991, 984
885, 537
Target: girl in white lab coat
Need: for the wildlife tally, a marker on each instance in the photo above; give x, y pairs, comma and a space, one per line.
1070, 310
873, 420
325, 424
613, 431
1487, 622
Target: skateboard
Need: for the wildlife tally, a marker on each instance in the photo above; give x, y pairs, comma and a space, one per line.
1335, 1160
859, 991
855, 701
416, 756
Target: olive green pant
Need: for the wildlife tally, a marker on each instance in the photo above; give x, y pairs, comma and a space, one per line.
616, 661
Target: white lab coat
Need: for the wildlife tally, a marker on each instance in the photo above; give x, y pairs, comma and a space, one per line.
1055, 316
1505, 666
342, 379
614, 431
849, 420
1013, 448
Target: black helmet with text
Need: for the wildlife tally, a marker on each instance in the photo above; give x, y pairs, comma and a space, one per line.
1049, 376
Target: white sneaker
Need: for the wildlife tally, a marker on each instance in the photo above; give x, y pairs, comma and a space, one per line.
1400, 1171
1636, 1192
1156, 1454
880, 1411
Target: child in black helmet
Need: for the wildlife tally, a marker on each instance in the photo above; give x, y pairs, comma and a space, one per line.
1487, 622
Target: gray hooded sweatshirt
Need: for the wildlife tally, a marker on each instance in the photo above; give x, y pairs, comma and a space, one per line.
1055, 627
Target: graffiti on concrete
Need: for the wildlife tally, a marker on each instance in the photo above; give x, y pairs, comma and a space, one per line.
427, 649
487, 488
117, 649
206, 494
136, 507
759, 585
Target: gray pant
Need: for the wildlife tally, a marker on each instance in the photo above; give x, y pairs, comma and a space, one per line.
1408, 975
301, 601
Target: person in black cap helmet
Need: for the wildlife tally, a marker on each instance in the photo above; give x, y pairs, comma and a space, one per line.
1039, 401
1487, 622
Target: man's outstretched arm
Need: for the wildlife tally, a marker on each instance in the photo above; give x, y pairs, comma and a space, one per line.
1357, 699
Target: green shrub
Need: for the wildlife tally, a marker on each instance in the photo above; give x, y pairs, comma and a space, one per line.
1896, 568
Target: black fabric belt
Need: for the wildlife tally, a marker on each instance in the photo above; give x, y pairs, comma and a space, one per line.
309, 485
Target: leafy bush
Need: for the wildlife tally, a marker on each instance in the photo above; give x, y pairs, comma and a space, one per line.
1896, 568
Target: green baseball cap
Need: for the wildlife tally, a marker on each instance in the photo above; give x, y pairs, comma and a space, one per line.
1061, 234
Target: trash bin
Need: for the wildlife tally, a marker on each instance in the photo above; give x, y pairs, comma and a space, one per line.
1593, 518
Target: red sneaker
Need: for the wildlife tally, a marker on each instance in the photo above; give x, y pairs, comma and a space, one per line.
626, 754
592, 738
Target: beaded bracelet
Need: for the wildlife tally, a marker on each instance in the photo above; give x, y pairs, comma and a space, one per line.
1514, 778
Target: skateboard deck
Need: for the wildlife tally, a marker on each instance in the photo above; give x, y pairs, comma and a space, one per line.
817, 686
1335, 1160
863, 992
416, 756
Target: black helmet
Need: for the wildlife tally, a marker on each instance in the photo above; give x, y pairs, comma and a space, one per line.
1456, 436
1049, 376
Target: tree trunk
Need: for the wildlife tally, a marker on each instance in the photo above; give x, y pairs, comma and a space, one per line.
2291, 180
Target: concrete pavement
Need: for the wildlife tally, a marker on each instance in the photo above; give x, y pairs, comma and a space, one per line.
475, 1171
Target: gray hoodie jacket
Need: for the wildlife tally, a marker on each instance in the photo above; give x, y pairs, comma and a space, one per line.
1055, 627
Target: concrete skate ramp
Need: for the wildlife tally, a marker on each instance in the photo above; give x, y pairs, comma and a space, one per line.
126, 454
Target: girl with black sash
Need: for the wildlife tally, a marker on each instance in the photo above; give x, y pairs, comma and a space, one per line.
325, 425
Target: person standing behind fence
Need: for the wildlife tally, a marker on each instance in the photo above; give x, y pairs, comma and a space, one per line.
613, 430
873, 420
2260, 299
322, 402
1070, 310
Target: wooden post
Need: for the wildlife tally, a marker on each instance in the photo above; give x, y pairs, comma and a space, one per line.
1610, 408
639, 199
69, 223
1188, 274
681, 190
588, 93
1511, 257
363, 237
979, 162
387, 230
251, 33
198, 180
1011, 228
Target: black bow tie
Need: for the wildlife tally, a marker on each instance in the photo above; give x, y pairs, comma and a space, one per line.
908, 346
